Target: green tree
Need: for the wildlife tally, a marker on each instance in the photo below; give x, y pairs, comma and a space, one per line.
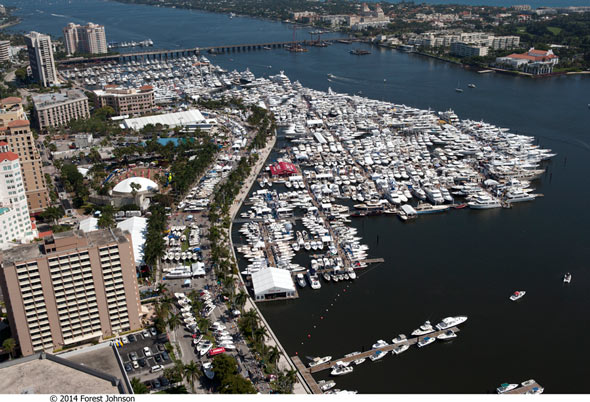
174, 321
52, 214
192, 372
138, 386
9, 345
240, 299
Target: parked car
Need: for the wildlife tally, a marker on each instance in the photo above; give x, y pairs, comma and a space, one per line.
133, 356
131, 338
135, 364
127, 367
147, 351
156, 368
164, 381
146, 333
158, 358
165, 356
124, 340
153, 331
161, 347
141, 362
156, 383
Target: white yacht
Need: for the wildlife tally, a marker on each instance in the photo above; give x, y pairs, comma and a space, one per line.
427, 340
450, 322
359, 361
208, 370
380, 354
401, 348
379, 344
518, 195
505, 388
484, 201
424, 329
301, 280
567, 278
447, 335
326, 385
341, 370
319, 360
399, 339
517, 295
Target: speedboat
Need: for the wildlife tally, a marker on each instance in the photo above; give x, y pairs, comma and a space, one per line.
505, 388
535, 391
399, 339
401, 348
301, 280
427, 340
359, 361
380, 354
450, 322
326, 276
567, 278
471, 85
517, 295
341, 370
208, 370
379, 344
448, 334
424, 329
319, 360
326, 385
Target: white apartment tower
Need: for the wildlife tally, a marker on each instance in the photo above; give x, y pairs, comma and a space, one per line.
40, 52
15, 222
89, 38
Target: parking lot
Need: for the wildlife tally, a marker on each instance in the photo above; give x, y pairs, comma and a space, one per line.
145, 357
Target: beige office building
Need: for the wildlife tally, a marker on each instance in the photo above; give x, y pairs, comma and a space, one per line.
127, 101
4, 50
73, 289
41, 60
57, 109
20, 139
90, 38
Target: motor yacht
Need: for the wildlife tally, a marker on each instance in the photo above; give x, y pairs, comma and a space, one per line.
401, 348
399, 339
505, 387
424, 329
567, 278
450, 322
319, 360
447, 335
380, 354
517, 295
379, 344
341, 370
427, 340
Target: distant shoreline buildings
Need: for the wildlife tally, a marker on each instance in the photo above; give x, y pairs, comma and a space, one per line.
85, 39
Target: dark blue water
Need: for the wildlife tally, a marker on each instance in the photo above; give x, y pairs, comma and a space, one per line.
463, 262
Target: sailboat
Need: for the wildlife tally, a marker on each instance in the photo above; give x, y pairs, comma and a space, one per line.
457, 89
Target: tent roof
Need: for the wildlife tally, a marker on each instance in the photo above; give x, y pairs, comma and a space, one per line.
272, 280
137, 226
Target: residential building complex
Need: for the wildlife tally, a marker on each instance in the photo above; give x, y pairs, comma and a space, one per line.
445, 39
15, 222
73, 289
462, 49
89, 38
127, 101
41, 60
533, 62
56, 109
11, 109
4, 50
20, 139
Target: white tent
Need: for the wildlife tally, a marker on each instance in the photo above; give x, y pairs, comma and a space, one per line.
272, 282
137, 226
88, 225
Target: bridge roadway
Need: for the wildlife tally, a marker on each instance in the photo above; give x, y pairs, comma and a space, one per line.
163, 54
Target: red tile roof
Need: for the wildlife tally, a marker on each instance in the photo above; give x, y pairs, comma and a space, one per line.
10, 100
18, 123
45, 234
11, 156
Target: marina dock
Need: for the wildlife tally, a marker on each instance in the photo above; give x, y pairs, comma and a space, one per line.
410, 341
525, 389
313, 385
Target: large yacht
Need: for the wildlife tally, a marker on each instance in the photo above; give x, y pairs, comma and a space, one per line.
484, 201
518, 195
424, 329
450, 322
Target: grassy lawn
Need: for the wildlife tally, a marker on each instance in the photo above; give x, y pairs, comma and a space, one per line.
554, 30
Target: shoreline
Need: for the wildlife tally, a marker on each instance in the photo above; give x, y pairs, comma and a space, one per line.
272, 340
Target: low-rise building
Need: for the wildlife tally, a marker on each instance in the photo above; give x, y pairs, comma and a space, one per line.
58, 109
127, 101
462, 49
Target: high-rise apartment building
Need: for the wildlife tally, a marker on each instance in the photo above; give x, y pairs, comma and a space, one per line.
4, 50
89, 38
41, 60
56, 109
15, 222
20, 139
74, 288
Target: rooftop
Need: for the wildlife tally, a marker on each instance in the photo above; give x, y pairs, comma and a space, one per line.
48, 100
51, 376
10, 100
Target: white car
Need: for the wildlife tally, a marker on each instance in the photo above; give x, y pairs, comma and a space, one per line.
135, 364
156, 368
146, 333
124, 340
147, 351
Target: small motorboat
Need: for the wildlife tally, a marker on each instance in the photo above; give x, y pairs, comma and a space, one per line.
319, 360
301, 280
359, 361
399, 339
380, 354
424, 329
471, 85
401, 348
427, 340
447, 335
379, 344
505, 388
327, 277
341, 370
567, 278
517, 295
326, 385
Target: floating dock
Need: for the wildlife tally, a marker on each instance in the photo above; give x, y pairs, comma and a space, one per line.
311, 382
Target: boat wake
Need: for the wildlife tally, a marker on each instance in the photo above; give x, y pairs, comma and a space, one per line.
343, 79
59, 15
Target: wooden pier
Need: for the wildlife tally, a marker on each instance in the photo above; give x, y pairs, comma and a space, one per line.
311, 383
388, 348
525, 389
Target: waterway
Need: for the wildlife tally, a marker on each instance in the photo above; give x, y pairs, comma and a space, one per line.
460, 263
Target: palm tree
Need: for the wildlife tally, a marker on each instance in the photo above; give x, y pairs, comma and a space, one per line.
260, 333
240, 299
138, 386
173, 321
161, 289
191, 373
273, 355
9, 345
